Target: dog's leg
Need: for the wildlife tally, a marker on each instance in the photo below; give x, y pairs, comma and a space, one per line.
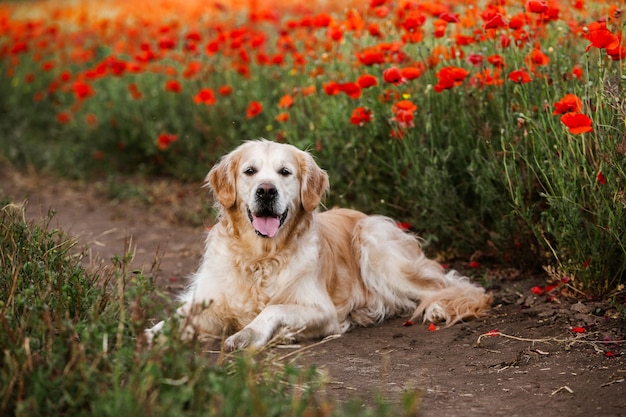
311, 321
194, 320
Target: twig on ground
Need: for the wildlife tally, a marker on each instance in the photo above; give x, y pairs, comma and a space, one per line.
563, 388
567, 340
302, 349
615, 381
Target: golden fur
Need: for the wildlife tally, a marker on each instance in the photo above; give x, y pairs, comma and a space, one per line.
275, 266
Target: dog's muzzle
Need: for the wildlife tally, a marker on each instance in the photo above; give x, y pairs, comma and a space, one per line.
265, 218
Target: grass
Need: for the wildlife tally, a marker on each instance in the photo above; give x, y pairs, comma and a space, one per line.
72, 344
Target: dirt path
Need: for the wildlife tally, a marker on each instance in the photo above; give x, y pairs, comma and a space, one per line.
580, 374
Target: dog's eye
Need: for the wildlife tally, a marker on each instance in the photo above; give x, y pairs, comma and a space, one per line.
284, 172
249, 171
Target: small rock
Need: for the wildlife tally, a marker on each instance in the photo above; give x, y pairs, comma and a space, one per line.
586, 319
580, 308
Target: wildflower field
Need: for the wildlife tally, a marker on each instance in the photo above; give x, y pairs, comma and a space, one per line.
494, 126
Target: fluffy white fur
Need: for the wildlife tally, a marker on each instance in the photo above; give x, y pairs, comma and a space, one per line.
274, 265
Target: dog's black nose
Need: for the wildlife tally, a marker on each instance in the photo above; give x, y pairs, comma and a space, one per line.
266, 192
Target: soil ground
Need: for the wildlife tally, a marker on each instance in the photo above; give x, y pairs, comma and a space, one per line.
537, 365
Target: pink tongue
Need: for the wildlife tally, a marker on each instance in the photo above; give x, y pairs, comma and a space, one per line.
267, 226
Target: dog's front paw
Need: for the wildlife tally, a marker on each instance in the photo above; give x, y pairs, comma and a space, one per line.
154, 333
241, 340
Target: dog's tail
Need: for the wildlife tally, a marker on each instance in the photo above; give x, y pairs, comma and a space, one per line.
456, 300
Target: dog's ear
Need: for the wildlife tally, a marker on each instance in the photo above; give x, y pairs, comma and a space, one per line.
314, 182
221, 181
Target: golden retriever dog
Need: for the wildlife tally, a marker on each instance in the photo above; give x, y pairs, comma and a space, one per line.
275, 266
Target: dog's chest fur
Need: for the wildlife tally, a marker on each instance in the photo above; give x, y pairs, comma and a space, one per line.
259, 279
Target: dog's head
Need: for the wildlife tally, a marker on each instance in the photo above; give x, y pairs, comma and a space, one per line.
268, 183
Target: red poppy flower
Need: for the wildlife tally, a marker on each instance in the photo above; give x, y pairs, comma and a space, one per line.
505, 41
18, 48
307, 91
450, 77
282, 117
536, 6
393, 76
600, 37
192, 69
322, 20
403, 113
464, 40
495, 22
254, 109
440, 28
404, 105
410, 73
64, 118
476, 59
601, 178
496, 60
578, 329
577, 123
331, 88
92, 120
335, 32
551, 287
414, 19
47, 66
519, 76
361, 116
617, 53
449, 17
406, 226
487, 77
205, 96
352, 90
225, 90
354, 21
474, 265
371, 56
82, 90
536, 57
577, 72
173, 86
285, 102
212, 47
537, 290
193, 36
366, 81
164, 140
167, 43
569, 103
518, 21
134, 91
